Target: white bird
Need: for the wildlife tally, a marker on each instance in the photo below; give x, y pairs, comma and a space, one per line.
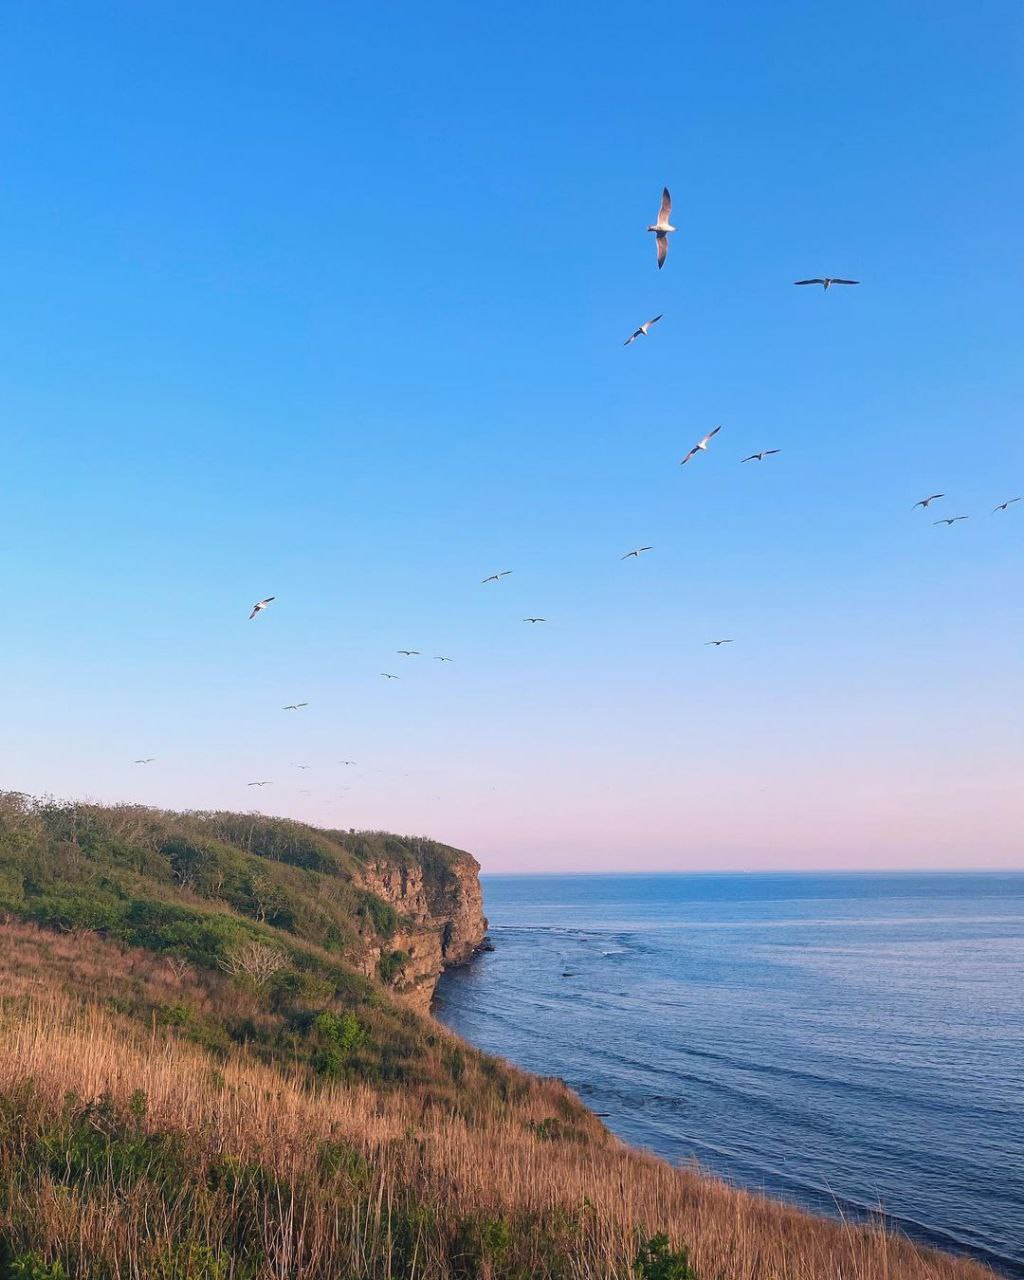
408, 653
826, 282
641, 332
259, 784
496, 577
701, 445
147, 760
300, 766
760, 457
662, 227
1003, 505
439, 657
294, 706
346, 762
636, 553
951, 520
717, 642
388, 676
260, 605
926, 502
535, 619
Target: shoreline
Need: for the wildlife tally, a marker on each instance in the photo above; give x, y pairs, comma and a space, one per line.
821, 1201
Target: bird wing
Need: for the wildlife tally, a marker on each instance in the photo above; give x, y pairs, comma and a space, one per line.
713, 432
654, 320
255, 611
752, 458
768, 451
816, 281
666, 206
662, 242
632, 338
836, 280
689, 456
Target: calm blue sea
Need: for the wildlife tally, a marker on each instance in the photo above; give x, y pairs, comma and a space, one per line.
843, 1041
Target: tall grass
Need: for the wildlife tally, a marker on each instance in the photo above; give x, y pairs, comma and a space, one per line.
127, 1152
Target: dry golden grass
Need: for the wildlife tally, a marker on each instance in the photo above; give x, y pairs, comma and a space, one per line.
234, 1169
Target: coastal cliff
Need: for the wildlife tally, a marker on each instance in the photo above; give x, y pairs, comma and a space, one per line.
441, 905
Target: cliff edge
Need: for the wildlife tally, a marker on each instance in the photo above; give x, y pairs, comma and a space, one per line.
436, 890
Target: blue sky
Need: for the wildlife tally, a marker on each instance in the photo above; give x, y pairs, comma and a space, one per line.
328, 303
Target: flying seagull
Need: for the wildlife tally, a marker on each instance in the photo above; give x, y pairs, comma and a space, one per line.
636, 553
496, 577
701, 445
301, 766
926, 501
535, 619
951, 520
826, 281
294, 706
1003, 505
259, 784
662, 227
147, 760
408, 653
716, 643
388, 676
760, 457
346, 762
641, 332
439, 657
260, 605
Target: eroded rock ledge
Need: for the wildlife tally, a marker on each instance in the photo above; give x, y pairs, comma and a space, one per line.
441, 902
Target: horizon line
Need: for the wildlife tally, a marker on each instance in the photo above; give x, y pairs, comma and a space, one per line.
778, 871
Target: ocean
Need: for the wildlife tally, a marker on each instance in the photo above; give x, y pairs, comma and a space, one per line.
846, 1042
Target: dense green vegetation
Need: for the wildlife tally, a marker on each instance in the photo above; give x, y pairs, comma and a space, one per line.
163, 880
259, 919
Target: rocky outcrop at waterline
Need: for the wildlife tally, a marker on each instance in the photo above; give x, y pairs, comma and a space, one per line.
435, 890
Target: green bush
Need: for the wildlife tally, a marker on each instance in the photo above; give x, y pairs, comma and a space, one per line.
30, 1266
655, 1260
390, 965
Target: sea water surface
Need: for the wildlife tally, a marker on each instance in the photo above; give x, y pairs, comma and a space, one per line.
847, 1042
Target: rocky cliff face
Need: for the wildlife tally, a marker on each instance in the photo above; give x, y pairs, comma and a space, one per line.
442, 903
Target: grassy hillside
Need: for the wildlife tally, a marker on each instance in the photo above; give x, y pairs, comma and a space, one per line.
170, 1112
260, 920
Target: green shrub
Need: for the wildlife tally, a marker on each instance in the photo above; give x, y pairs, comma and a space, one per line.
656, 1261
382, 915
30, 1266
390, 966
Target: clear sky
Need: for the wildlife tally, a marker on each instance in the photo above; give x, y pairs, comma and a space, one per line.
327, 302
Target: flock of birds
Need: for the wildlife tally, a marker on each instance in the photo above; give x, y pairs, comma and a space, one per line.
662, 228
